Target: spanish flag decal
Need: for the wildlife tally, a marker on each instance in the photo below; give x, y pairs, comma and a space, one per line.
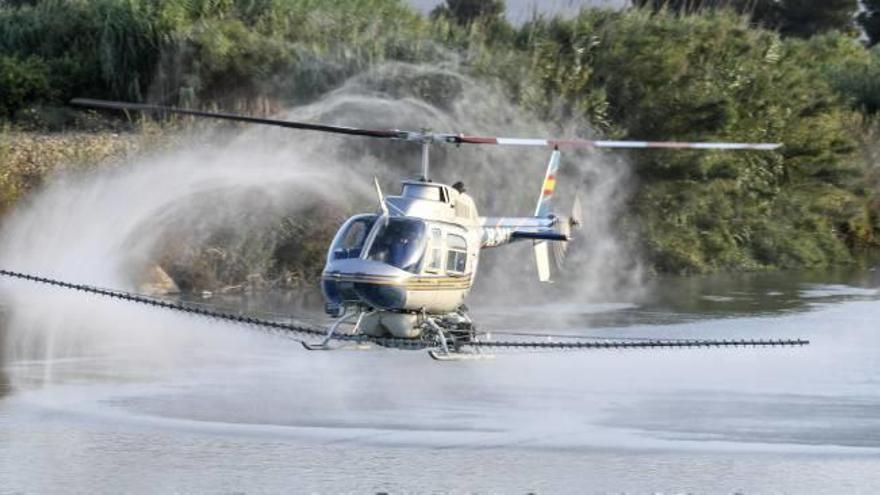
543, 208
549, 185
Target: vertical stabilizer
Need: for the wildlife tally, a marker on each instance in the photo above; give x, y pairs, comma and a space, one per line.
542, 251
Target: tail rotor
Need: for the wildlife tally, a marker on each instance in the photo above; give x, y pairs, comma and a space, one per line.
566, 226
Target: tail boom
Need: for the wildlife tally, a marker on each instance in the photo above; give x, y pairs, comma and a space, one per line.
497, 231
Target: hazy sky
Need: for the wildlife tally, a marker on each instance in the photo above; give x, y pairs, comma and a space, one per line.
521, 10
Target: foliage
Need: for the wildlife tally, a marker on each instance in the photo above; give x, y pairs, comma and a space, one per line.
467, 11
21, 82
708, 77
801, 18
805, 18
178, 49
856, 77
28, 158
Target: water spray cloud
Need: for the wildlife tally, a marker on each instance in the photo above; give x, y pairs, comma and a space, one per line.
105, 227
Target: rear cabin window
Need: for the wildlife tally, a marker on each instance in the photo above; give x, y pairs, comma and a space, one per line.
456, 254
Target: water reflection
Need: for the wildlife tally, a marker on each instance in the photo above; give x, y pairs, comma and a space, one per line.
672, 300
5, 386
755, 293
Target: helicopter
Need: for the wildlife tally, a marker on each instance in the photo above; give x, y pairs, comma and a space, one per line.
402, 273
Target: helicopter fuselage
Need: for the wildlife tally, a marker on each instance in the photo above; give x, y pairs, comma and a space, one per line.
419, 256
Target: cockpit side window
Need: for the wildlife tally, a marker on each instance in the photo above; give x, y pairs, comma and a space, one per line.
349, 241
399, 242
456, 254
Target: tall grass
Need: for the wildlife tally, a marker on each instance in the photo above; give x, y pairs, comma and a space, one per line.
201, 48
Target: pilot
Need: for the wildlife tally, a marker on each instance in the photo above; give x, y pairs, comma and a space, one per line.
399, 248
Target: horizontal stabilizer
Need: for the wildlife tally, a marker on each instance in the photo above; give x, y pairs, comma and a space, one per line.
544, 236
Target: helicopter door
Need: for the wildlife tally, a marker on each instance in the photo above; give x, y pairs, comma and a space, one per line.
435, 253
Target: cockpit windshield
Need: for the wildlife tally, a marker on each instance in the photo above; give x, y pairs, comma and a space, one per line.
349, 241
399, 242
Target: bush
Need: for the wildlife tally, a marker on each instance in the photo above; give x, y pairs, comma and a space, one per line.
22, 81
858, 80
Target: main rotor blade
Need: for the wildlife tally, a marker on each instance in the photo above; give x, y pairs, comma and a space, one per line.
586, 143
424, 136
144, 107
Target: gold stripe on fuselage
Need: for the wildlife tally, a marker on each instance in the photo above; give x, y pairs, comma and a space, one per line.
430, 282
439, 283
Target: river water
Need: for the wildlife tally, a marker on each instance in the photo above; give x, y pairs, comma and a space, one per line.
187, 405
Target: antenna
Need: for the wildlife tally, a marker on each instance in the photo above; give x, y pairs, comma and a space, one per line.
426, 147
382, 204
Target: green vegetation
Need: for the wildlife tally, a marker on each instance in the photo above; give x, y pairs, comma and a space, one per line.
802, 18
657, 72
712, 77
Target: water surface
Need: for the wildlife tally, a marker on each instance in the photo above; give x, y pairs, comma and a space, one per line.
184, 404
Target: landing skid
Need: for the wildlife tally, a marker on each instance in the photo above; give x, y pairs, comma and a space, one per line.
445, 337
328, 347
325, 344
441, 355
318, 347
451, 334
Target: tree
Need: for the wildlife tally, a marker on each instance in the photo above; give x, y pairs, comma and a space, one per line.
804, 18
693, 6
869, 19
800, 18
17, 3
467, 11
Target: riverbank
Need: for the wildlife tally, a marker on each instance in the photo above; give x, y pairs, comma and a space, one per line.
33, 159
